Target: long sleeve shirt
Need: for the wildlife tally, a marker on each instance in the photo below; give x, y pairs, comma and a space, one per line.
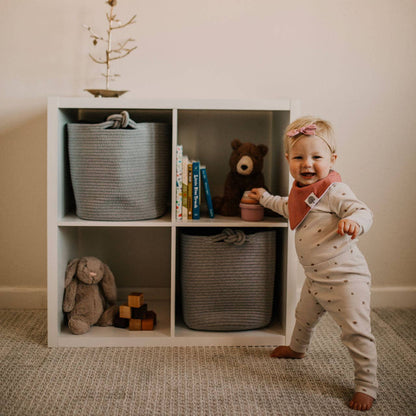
316, 238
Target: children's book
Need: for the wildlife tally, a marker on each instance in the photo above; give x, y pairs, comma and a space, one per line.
190, 190
179, 155
196, 178
204, 178
185, 162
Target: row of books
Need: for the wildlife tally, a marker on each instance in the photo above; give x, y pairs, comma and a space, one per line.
191, 178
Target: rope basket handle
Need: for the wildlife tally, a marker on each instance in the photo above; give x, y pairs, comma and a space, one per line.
117, 121
229, 236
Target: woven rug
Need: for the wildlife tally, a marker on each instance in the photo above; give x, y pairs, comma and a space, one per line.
37, 380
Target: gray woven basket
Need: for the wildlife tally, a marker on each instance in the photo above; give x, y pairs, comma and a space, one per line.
120, 170
227, 279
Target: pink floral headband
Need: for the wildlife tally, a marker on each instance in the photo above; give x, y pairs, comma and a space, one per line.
309, 130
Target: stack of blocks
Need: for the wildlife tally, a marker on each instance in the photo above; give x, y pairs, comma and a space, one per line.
135, 315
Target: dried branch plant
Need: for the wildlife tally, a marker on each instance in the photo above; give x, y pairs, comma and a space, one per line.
112, 53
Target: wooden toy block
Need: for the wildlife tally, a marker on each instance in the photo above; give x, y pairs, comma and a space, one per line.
121, 322
151, 314
135, 299
124, 311
139, 313
149, 322
135, 324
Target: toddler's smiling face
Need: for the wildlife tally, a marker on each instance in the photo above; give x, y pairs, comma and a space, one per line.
310, 160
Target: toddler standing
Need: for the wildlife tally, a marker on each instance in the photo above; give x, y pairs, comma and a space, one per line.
328, 218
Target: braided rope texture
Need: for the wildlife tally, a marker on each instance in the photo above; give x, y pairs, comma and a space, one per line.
120, 170
227, 280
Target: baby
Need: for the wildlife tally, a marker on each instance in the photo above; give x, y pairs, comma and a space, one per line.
328, 218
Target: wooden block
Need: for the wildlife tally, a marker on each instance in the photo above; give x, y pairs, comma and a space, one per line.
139, 313
120, 322
135, 324
124, 311
149, 322
135, 299
151, 314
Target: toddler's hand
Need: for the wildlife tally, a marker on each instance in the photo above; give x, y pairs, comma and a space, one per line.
348, 227
256, 193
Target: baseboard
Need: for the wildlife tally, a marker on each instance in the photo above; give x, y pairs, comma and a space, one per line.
390, 297
393, 296
23, 298
36, 298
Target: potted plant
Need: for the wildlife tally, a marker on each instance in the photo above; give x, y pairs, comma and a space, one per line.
112, 52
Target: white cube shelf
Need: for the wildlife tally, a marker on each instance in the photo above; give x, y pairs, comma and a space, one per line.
143, 254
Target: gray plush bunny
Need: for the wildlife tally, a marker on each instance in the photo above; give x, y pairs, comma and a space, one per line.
90, 294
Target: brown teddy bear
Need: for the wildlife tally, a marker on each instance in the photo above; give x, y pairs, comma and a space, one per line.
90, 294
246, 164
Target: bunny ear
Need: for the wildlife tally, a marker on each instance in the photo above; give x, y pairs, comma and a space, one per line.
71, 269
108, 284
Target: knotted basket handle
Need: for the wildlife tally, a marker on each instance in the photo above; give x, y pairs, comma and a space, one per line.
117, 121
236, 237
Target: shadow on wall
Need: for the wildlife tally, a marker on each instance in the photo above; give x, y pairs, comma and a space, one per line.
23, 203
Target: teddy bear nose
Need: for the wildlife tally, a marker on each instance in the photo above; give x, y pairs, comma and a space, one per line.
92, 274
244, 167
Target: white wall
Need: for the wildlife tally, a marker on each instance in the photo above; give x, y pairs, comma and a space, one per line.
350, 61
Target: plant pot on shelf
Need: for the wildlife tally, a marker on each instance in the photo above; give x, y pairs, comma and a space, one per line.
106, 93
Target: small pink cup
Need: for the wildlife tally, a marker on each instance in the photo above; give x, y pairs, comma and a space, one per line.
252, 212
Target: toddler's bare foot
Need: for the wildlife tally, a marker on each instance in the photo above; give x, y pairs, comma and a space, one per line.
361, 401
284, 351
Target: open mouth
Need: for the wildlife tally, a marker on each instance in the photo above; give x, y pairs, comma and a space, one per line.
307, 174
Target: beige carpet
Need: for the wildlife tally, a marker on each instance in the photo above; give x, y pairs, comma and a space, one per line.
36, 380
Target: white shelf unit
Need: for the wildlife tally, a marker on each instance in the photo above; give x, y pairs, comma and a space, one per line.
143, 254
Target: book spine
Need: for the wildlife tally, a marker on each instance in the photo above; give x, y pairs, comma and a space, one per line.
179, 154
189, 190
195, 191
208, 198
185, 162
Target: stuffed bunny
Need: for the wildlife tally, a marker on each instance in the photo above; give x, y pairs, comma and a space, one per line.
90, 294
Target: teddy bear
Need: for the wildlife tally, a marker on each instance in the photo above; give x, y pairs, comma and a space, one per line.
246, 165
90, 294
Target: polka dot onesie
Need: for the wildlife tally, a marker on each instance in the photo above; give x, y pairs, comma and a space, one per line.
337, 278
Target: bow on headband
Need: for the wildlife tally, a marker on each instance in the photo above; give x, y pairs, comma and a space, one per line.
307, 131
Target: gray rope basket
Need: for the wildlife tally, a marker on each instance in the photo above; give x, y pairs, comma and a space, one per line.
120, 170
227, 279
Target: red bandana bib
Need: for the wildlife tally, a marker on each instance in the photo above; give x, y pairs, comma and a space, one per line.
303, 198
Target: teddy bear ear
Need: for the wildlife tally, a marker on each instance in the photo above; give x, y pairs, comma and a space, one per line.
263, 149
235, 144
71, 269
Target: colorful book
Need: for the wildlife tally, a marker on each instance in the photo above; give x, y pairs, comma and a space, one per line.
208, 199
179, 155
189, 190
196, 180
185, 162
